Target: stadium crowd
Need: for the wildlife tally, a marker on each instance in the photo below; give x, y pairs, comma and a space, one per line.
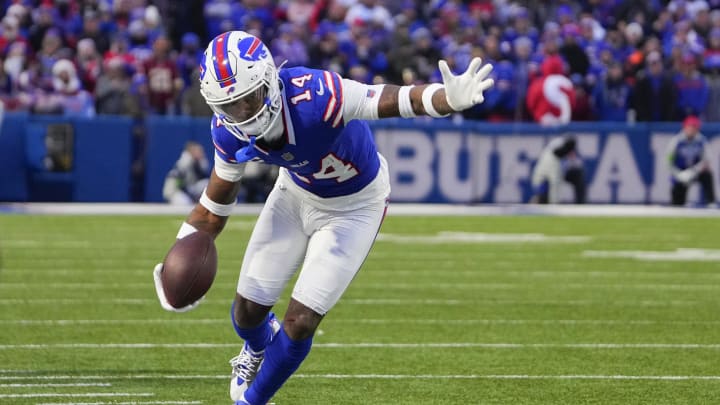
645, 60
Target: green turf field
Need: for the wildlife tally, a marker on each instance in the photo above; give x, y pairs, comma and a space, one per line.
446, 310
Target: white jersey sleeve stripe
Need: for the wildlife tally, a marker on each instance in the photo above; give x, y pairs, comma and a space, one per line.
341, 102
331, 102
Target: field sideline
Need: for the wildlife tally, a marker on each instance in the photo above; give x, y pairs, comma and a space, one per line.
454, 305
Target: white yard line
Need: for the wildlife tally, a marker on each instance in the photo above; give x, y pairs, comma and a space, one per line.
534, 285
448, 271
370, 345
42, 385
399, 286
78, 395
125, 403
393, 377
222, 321
505, 377
74, 301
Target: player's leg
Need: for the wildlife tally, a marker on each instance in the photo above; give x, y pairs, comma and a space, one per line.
335, 253
678, 193
705, 179
274, 252
541, 192
576, 177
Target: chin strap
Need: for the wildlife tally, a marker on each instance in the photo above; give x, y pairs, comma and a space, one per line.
247, 153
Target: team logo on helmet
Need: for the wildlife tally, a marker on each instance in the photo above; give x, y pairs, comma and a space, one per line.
251, 49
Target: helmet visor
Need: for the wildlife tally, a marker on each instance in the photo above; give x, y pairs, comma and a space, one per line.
245, 108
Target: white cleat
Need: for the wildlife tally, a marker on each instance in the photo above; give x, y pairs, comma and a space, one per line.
246, 365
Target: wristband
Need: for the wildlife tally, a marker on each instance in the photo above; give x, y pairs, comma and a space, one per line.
404, 102
427, 100
221, 210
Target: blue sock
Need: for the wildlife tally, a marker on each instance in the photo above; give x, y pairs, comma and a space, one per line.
258, 337
282, 357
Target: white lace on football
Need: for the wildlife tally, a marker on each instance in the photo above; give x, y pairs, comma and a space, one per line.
246, 364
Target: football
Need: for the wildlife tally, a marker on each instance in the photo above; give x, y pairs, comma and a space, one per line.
189, 269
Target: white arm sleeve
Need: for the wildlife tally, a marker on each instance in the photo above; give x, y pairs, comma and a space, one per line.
361, 100
231, 172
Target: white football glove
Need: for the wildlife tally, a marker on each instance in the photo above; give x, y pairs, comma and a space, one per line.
465, 90
161, 293
686, 176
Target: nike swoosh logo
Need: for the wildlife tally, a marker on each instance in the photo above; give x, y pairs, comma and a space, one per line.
321, 90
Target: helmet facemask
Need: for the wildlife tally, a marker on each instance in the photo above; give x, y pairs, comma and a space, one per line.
255, 112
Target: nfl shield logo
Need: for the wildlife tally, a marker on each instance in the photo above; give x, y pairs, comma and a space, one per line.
288, 156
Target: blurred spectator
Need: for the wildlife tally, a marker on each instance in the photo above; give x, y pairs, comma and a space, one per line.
550, 96
500, 100
72, 98
92, 30
611, 95
711, 65
581, 103
189, 57
369, 12
10, 34
152, 20
575, 56
558, 162
522, 73
43, 21
15, 61
163, 81
325, 51
187, 179
401, 57
693, 90
701, 22
139, 42
113, 93
300, 11
654, 92
711, 56
687, 156
51, 51
89, 63
119, 48
191, 102
289, 46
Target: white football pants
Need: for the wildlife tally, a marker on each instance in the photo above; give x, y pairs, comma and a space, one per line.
327, 238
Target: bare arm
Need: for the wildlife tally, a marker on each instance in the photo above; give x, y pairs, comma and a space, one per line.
456, 93
221, 192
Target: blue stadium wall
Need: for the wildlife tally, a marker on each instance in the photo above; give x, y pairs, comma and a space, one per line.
430, 161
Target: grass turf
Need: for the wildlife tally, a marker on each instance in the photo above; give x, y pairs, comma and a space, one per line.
425, 322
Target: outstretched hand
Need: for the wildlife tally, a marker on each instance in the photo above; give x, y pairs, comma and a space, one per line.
465, 90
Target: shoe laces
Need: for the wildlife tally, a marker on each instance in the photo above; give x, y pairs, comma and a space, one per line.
246, 364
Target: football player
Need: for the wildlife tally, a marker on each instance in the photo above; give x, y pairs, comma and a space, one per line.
328, 202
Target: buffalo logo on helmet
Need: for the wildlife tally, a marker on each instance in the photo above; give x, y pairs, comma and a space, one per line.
252, 49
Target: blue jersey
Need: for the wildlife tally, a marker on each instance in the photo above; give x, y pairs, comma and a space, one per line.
323, 154
684, 153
